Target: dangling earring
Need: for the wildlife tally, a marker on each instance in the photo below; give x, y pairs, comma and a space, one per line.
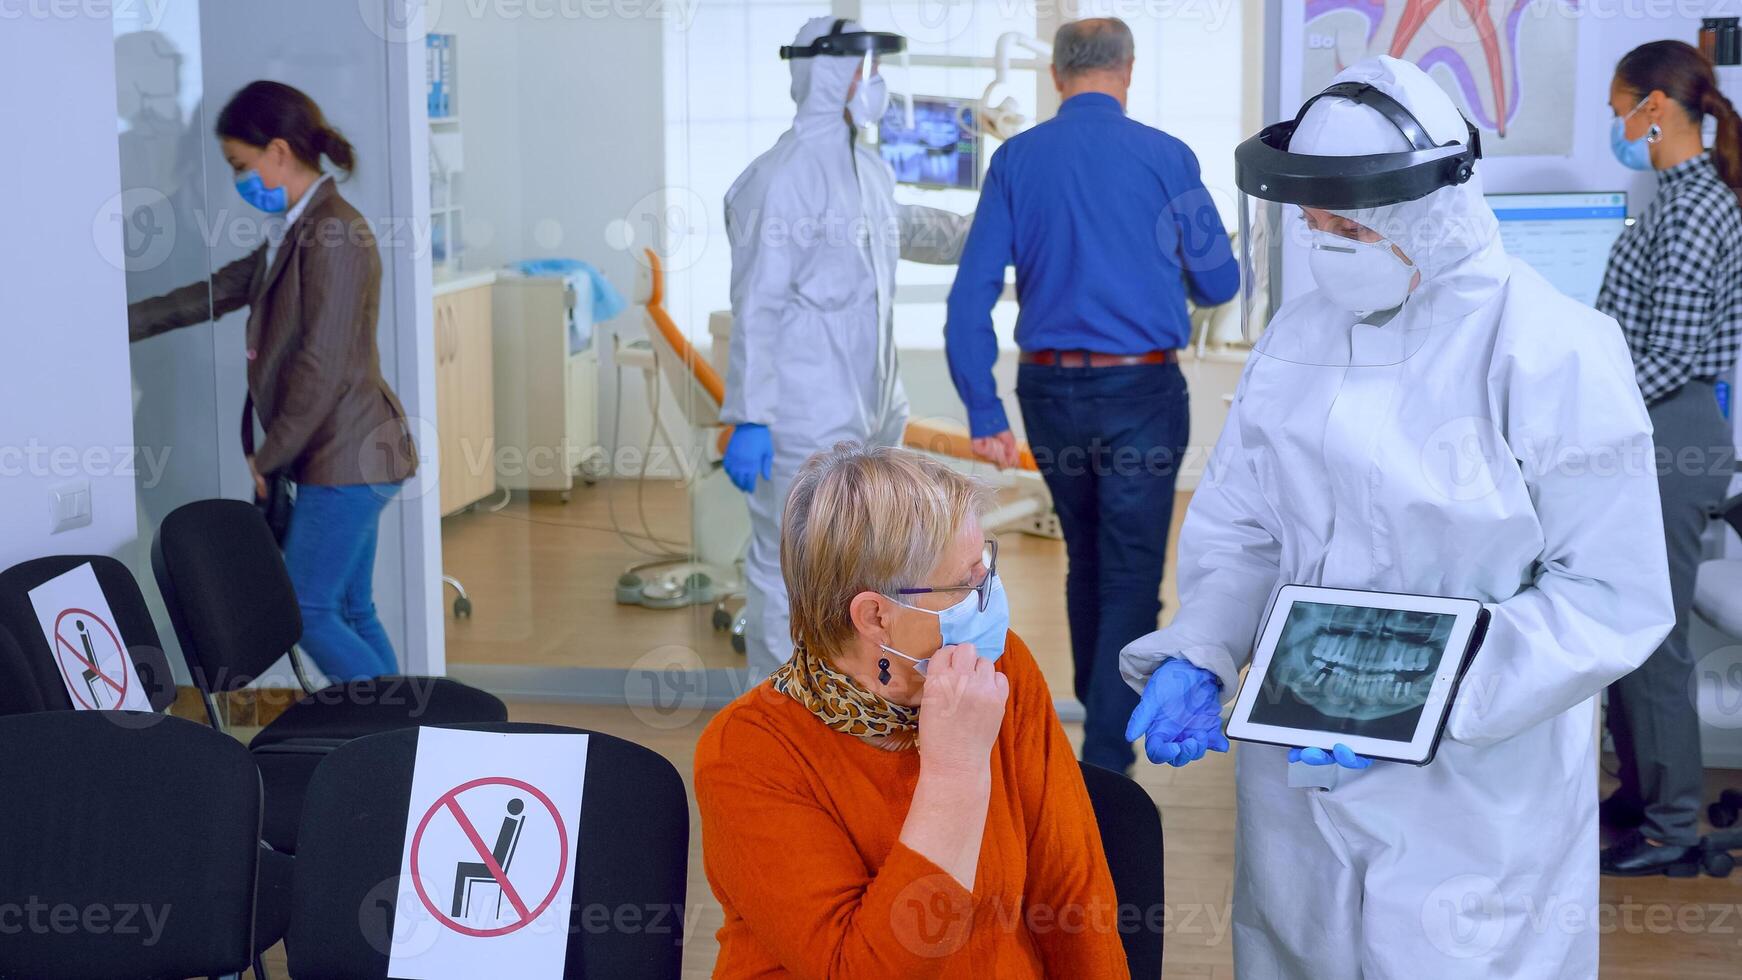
1654, 134
883, 671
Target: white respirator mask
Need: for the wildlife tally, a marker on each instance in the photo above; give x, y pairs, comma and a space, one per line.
1361, 277
869, 102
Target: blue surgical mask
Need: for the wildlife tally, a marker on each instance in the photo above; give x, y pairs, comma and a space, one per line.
1633, 154
272, 200
965, 622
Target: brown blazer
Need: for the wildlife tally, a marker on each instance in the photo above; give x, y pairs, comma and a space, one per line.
313, 366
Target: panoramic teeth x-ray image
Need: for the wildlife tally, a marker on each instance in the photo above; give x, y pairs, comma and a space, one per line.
1353, 669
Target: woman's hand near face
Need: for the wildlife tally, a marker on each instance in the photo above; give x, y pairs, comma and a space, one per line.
960, 712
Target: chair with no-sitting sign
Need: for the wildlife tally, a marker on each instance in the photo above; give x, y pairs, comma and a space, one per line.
630, 861
29, 681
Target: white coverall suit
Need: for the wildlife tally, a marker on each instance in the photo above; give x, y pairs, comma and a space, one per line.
815, 234
1508, 459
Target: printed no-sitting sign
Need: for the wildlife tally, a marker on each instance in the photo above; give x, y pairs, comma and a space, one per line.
487, 875
85, 643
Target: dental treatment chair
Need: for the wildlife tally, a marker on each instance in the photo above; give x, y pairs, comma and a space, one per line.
710, 569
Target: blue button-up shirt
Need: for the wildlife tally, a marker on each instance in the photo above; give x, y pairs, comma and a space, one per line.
1110, 228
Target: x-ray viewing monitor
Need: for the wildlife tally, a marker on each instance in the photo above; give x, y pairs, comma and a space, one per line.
941, 150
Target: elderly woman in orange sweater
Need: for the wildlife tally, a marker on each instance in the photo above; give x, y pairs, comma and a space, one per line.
898, 800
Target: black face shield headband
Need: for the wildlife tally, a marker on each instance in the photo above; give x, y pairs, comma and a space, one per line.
1265, 169
847, 44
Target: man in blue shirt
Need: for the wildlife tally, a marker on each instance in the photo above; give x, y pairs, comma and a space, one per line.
1110, 229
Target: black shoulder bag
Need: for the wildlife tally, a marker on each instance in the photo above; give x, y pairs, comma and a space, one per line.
280, 497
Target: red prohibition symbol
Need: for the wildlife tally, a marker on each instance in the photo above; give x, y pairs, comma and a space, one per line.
449, 803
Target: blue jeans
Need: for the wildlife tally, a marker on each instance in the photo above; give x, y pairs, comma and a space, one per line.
330, 551
1108, 442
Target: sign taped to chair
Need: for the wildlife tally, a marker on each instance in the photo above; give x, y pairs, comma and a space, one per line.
486, 879
85, 643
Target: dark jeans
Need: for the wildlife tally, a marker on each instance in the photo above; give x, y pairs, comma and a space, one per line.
1109, 442
330, 553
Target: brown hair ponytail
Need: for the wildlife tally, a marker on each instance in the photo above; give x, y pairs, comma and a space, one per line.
1727, 148
264, 111
337, 148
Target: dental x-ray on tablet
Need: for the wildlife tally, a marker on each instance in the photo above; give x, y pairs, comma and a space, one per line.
1374, 670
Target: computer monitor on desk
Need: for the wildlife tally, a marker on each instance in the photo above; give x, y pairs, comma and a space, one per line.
1565, 236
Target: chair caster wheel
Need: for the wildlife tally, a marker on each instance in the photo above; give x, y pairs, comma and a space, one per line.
722, 619
738, 644
462, 608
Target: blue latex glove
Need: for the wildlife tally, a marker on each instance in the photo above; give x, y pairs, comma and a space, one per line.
1340, 755
749, 453
1179, 716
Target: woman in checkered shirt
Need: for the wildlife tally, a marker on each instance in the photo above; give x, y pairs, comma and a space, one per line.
1674, 283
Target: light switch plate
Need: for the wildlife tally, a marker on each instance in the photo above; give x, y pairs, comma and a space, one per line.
72, 506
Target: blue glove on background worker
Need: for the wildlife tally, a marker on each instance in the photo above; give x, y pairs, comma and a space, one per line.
1179, 715
749, 453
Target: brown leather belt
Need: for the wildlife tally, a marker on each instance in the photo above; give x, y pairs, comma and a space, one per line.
1086, 358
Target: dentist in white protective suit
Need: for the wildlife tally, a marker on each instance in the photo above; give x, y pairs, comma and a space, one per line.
816, 234
1433, 418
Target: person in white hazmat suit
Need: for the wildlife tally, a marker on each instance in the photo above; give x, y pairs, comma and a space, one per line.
815, 234
1433, 418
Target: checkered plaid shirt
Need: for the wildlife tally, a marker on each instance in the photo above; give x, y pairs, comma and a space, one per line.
1674, 281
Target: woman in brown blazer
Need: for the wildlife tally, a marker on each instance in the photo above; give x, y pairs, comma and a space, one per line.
332, 424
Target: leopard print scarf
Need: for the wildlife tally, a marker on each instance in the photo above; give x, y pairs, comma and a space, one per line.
842, 704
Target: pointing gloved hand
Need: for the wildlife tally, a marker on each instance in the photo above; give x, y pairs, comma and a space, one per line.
749, 453
1340, 755
1179, 716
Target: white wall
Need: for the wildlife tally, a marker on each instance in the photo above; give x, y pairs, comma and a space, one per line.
65, 409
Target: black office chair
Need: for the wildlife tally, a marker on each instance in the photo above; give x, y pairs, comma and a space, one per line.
18, 693
147, 827
235, 612
34, 662
1131, 837
631, 853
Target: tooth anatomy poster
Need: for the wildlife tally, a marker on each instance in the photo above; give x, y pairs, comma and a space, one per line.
1508, 64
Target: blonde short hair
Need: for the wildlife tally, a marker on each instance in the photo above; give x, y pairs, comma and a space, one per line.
866, 520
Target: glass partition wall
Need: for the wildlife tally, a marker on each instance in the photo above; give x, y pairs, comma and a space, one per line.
581, 155
183, 220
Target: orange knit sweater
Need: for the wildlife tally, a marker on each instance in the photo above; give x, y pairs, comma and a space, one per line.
800, 828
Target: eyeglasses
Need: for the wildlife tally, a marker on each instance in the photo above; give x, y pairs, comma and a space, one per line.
983, 589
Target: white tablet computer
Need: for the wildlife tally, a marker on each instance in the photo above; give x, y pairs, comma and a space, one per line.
1374, 670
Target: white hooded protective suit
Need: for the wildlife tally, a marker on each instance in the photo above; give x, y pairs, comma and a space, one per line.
1508, 459
815, 234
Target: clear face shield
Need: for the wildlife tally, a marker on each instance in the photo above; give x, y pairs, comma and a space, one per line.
870, 48
1301, 231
